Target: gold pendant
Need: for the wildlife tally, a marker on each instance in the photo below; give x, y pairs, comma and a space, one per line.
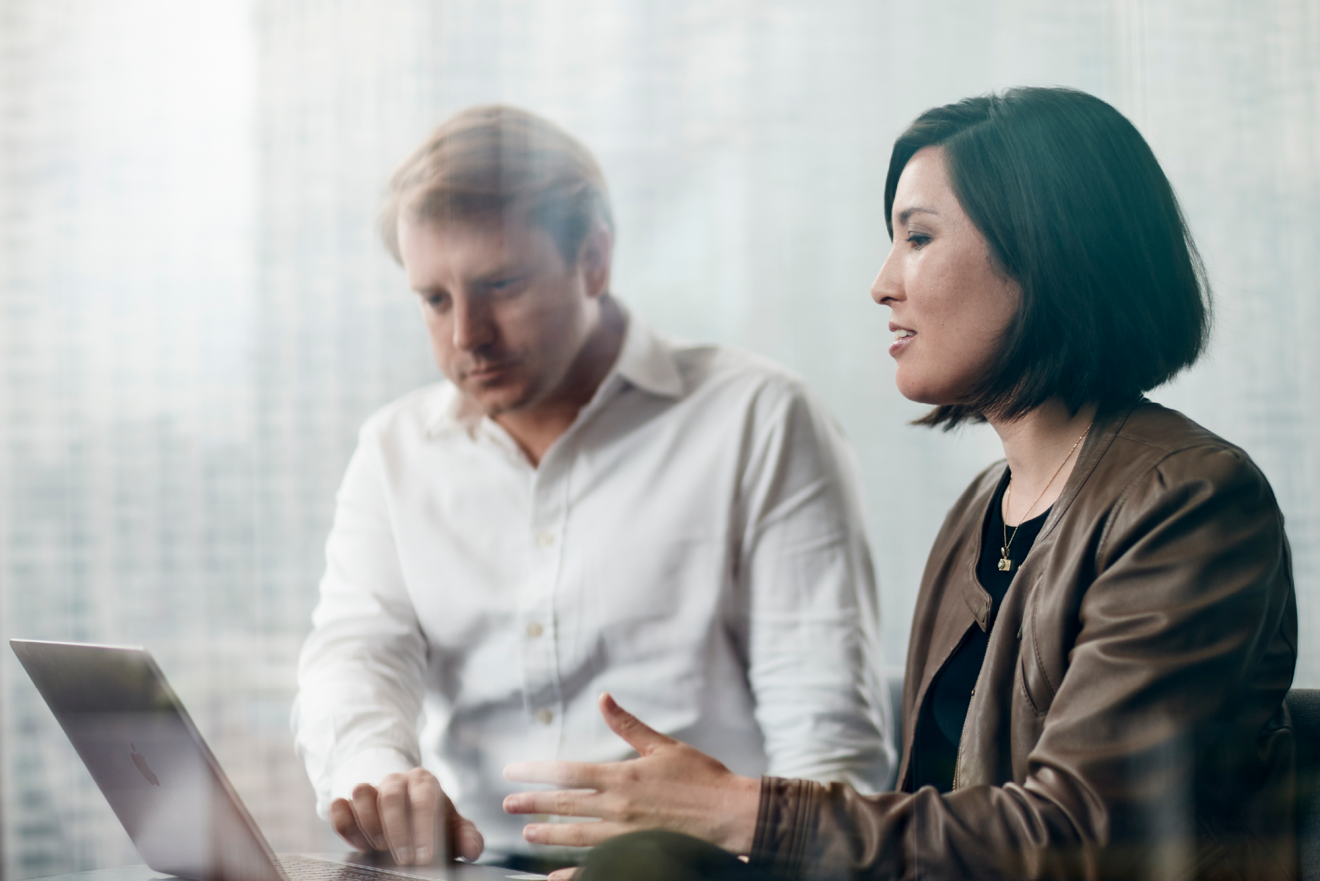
1005, 565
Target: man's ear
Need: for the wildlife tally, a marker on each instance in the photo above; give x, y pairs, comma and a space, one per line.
594, 259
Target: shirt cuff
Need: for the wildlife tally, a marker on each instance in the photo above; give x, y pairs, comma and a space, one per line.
783, 825
367, 766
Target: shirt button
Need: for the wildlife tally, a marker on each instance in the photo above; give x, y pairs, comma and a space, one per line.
545, 539
545, 717
534, 630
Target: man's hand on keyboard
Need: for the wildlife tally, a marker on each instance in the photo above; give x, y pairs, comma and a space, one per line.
408, 815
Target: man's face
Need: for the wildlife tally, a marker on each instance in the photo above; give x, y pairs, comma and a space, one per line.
507, 316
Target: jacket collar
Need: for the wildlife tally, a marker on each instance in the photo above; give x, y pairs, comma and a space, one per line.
949, 622
1104, 429
1098, 441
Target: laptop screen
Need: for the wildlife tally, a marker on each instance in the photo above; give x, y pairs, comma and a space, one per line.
149, 760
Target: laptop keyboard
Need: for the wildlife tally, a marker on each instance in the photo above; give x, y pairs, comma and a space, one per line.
300, 868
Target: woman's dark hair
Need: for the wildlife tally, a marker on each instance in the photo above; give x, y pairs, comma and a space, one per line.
1076, 210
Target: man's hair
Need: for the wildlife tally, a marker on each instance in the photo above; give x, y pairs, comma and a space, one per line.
494, 163
1076, 210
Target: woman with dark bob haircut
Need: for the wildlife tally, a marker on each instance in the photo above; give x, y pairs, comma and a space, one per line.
1106, 626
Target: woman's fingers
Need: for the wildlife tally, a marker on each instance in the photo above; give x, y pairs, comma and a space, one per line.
566, 775
591, 775
573, 834
669, 786
563, 802
563, 874
638, 734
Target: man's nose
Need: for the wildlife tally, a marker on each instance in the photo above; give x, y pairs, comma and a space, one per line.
473, 326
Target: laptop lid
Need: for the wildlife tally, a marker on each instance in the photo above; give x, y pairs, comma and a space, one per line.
149, 760
162, 780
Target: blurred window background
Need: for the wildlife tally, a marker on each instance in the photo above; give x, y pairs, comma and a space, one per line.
195, 315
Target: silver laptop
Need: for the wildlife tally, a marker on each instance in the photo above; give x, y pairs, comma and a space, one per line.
166, 786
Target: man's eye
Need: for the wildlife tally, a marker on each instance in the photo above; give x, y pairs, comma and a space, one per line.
436, 301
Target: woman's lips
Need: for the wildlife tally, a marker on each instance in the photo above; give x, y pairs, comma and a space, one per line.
902, 339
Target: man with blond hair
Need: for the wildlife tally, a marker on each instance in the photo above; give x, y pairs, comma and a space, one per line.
582, 506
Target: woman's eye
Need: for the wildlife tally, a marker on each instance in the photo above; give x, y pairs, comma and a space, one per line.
918, 240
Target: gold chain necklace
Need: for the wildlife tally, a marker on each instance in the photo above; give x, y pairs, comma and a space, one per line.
1005, 561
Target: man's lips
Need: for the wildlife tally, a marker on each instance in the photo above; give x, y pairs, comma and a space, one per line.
489, 371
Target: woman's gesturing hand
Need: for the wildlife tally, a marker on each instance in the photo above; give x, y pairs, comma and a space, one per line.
669, 785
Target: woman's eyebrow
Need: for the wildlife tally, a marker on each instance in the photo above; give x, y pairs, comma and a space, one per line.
915, 209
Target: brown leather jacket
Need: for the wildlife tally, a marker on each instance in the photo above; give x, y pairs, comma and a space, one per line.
1128, 720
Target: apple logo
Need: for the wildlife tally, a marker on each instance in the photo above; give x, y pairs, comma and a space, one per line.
143, 767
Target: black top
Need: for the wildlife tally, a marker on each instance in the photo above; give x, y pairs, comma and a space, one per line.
939, 727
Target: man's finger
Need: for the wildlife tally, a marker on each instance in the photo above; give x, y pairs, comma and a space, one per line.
465, 839
638, 734
367, 814
563, 802
565, 775
427, 807
392, 803
563, 874
344, 823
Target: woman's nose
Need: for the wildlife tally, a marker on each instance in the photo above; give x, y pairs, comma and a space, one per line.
888, 283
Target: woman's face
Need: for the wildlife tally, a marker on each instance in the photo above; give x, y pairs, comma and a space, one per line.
950, 305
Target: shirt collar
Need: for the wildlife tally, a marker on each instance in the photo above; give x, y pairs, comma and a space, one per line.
646, 360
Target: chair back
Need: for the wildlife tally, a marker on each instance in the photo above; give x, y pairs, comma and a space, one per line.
1304, 706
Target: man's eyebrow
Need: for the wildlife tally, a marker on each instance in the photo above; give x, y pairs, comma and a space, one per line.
503, 270
484, 276
915, 209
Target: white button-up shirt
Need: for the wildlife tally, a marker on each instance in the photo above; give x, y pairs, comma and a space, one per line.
693, 544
